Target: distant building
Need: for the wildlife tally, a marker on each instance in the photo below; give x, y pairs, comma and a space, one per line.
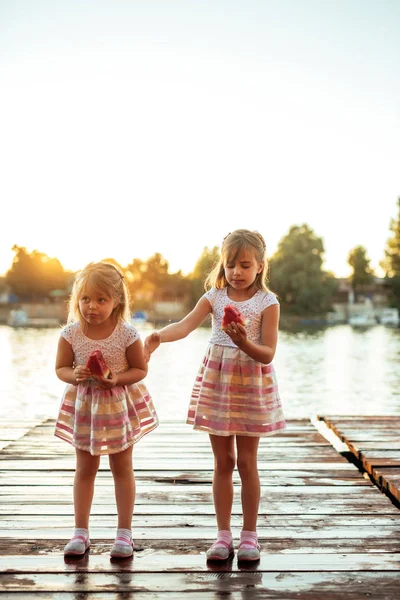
371, 298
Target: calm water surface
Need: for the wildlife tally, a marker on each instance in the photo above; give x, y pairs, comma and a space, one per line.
339, 370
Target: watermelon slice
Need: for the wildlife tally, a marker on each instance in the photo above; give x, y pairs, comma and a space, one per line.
98, 365
232, 315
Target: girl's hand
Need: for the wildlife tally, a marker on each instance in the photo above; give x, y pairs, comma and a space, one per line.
107, 384
81, 372
151, 343
237, 333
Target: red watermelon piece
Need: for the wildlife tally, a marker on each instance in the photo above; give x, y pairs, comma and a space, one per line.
232, 315
97, 365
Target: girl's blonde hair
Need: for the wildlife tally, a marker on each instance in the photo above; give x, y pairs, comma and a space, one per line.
241, 239
106, 279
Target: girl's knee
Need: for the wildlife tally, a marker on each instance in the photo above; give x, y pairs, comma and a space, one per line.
247, 466
225, 464
87, 465
87, 469
121, 465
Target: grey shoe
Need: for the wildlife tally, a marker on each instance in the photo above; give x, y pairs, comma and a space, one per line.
248, 551
77, 546
220, 550
121, 551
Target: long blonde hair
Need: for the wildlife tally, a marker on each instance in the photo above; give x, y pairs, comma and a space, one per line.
240, 239
105, 278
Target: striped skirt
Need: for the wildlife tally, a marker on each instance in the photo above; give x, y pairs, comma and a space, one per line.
105, 421
235, 395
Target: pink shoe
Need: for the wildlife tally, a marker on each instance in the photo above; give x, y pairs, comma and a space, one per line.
220, 550
77, 546
248, 550
121, 550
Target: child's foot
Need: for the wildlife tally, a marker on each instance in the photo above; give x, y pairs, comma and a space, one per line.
123, 545
78, 544
249, 548
222, 548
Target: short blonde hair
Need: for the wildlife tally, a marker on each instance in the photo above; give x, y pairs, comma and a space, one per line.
240, 239
107, 279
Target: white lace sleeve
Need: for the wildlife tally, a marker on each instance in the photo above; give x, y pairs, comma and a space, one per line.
67, 332
211, 296
131, 334
268, 300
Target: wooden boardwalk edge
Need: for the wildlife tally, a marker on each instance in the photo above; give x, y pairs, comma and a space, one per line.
374, 443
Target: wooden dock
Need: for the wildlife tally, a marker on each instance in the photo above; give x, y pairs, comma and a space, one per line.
375, 444
326, 530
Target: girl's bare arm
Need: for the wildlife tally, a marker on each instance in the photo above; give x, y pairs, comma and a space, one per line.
177, 331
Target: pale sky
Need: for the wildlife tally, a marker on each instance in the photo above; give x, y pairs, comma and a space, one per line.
129, 127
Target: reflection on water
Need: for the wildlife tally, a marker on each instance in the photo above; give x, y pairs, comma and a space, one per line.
335, 370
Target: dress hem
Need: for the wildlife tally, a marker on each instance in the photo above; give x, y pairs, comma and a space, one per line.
240, 433
125, 447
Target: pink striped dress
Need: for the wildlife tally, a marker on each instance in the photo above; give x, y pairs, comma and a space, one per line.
104, 421
234, 394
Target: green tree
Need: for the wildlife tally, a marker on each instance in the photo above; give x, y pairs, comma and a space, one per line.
207, 260
140, 290
362, 272
33, 274
391, 262
296, 273
150, 281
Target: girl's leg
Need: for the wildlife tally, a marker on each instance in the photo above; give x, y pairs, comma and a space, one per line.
85, 474
224, 464
124, 485
247, 448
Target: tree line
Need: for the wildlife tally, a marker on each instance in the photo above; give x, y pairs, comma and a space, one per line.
295, 274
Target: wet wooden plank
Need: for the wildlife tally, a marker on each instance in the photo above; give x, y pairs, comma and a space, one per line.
55, 464
188, 532
296, 477
235, 586
170, 493
246, 584
265, 522
286, 545
156, 562
305, 505
375, 443
204, 459
389, 479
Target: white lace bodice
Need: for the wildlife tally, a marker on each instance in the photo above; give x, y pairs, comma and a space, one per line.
113, 348
251, 309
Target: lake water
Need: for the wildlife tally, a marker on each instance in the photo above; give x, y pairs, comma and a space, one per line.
339, 370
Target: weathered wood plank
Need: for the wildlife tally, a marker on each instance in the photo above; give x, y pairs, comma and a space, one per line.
154, 562
52, 465
300, 505
236, 586
287, 545
375, 443
183, 520
171, 493
297, 477
189, 532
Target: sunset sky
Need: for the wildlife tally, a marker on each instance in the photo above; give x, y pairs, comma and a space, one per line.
132, 127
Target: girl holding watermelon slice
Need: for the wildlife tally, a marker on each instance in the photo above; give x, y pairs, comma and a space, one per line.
235, 397
105, 408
